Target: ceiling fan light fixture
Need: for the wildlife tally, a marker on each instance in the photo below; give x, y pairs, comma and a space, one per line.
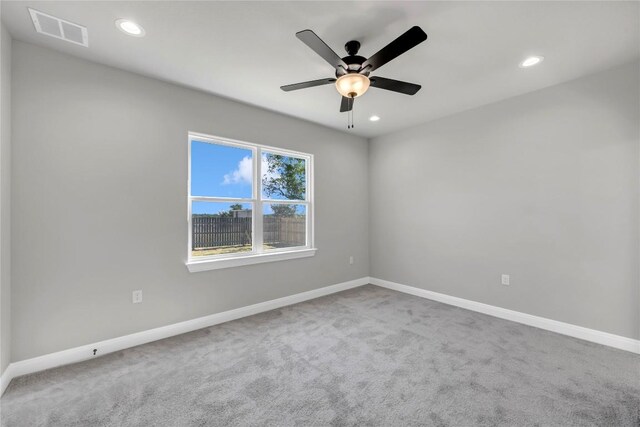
352, 85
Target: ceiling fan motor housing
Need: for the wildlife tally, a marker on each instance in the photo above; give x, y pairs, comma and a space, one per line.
353, 60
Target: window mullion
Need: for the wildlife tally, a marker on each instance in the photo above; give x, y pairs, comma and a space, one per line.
257, 213
219, 199
285, 202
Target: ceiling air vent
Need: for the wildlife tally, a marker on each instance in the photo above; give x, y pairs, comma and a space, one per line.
59, 28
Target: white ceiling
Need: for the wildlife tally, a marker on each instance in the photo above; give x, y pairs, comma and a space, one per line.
247, 50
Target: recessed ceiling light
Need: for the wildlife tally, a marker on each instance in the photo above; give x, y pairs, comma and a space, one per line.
130, 27
374, 118
531, 61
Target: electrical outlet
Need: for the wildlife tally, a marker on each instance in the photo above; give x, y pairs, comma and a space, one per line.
136, 297
351, 260
505, 279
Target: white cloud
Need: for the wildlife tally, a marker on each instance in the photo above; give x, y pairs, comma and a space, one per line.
242, 175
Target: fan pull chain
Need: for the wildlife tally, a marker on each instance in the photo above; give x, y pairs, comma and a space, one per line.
351, 112
350, 115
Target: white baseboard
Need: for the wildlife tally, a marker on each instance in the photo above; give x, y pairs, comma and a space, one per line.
85, 352
604, 338
5, 379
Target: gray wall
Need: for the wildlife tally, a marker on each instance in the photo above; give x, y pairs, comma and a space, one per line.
100, 203
5, 198
543, 187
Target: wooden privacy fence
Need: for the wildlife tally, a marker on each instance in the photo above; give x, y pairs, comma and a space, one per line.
284, 231
215, 231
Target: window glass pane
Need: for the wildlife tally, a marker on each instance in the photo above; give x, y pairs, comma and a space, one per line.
283, 177
221, 170
284, 225
220, 228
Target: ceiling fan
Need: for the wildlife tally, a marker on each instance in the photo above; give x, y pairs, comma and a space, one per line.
352, 72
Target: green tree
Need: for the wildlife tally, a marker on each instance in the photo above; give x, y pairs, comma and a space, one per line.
284, 210
229, 213
285, 177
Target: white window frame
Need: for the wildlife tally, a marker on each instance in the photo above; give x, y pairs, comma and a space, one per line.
258, 254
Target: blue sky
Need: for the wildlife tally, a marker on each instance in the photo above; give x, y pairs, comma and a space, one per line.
221, 171
215, 171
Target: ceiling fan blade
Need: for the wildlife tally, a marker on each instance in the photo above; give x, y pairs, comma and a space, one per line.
395, 85
346, 104
413, 37
316, 44
304, 85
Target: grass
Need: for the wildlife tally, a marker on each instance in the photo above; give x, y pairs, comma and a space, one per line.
225, 250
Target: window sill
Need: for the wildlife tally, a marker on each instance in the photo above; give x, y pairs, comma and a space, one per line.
215, 264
